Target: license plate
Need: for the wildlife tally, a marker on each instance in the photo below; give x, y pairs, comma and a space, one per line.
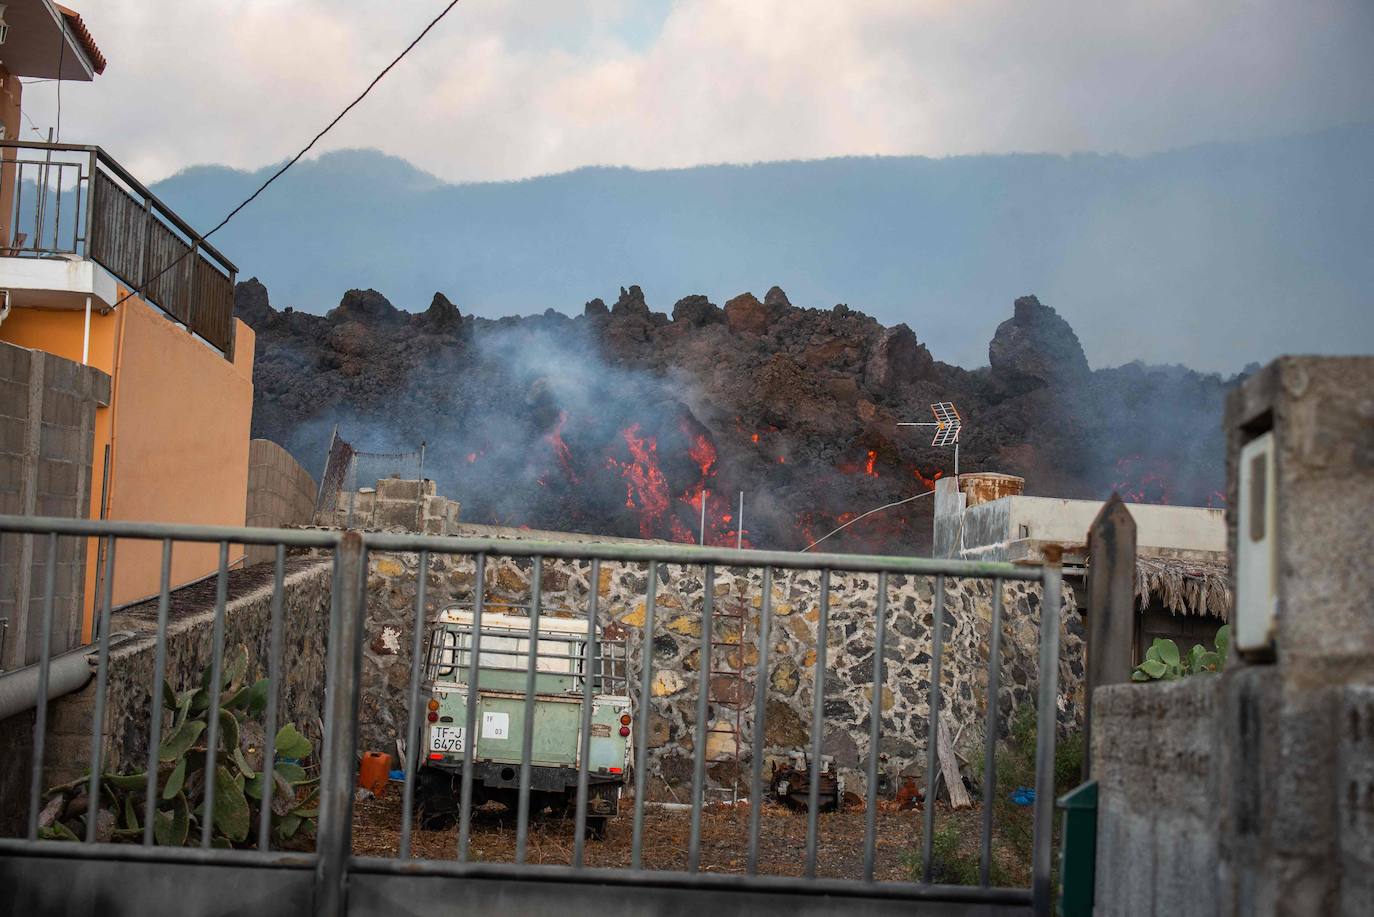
446, 738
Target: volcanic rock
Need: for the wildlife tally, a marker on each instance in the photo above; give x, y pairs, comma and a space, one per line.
697, 311
775, 298
441, 317
897, 359
366, 306
251, 303
631, 302
745, 313
1036, 347
613, 423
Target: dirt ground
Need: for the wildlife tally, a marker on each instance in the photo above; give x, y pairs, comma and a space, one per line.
724, 844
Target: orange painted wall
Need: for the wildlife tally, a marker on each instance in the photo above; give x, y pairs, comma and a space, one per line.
177, 427
180, 451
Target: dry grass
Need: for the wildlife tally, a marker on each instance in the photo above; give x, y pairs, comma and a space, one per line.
724, 840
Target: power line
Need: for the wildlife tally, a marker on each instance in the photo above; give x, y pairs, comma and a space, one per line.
869, 513
34, 127
294, 159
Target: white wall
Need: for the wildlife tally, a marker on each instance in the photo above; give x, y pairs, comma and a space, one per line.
1193, 528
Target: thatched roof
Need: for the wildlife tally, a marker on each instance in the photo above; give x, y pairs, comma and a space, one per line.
1184, 587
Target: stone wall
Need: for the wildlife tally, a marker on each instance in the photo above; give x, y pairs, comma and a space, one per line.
247, 620
676, 643
47, 413
280, 493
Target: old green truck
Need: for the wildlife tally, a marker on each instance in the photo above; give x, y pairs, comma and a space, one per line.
560, 685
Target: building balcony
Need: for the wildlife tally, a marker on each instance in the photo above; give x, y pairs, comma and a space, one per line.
77, 230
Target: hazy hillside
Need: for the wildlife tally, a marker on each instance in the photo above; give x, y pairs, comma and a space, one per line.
1212, 257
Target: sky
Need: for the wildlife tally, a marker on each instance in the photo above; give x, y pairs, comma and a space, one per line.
507, 89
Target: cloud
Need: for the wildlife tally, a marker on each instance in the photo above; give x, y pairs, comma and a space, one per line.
505, 89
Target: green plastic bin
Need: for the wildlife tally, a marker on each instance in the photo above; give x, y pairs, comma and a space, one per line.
1078, 850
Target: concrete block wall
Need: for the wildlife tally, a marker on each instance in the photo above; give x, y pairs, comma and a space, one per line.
1158, 818
1251, 794
280, 493
47, 419
394, 505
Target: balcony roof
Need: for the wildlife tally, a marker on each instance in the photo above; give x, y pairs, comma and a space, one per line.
44, 35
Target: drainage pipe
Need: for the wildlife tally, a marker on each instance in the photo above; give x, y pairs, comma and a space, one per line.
67, 673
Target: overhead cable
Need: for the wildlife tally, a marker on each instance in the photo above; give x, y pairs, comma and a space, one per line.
294, 159
869, 513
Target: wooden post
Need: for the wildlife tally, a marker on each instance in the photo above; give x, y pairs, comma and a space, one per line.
1111, 607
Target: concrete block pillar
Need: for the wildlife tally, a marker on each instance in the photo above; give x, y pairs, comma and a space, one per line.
1286, 788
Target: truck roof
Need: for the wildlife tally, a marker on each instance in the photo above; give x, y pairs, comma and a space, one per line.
499, 621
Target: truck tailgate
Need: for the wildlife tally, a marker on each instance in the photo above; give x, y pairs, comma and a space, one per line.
501, 722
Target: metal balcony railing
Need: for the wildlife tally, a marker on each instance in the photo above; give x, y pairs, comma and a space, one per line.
64, 200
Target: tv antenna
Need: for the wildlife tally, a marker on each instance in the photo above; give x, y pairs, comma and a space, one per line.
947, 424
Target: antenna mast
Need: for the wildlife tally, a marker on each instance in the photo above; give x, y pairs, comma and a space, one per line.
948, 425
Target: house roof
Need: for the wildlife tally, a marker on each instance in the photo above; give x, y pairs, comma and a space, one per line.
1184, 586
83, 36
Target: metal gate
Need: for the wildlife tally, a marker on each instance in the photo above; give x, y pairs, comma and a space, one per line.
50, 876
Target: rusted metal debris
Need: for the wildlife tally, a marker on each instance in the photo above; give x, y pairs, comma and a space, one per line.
790, 784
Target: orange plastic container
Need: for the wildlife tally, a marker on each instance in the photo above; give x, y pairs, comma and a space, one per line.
374, 772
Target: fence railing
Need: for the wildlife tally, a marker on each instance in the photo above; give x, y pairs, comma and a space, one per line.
66, 200
337, 880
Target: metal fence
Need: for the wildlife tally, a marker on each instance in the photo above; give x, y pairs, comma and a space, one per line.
145, 878
77, 201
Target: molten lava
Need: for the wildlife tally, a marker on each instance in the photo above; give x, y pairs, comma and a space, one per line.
1142, 480
927, 482
646, 490
560, 449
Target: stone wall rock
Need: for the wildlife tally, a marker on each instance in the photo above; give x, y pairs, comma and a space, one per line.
676, 644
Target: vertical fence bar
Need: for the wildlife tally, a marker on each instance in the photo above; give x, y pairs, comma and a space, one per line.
990, 734
813, 798
18, 211
274, 651
57, 217
40, 721
937, 643
470, 715
412, 749
875, 730
102, 674
155, 690
522, 816
589, 674
703, 721
757, 738
79, 221
646, 666
1047, 702
207, 826
335, 832
91, 166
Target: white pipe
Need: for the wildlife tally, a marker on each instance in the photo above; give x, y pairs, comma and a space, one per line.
66, 673
739, 524
704, 492
86, 336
